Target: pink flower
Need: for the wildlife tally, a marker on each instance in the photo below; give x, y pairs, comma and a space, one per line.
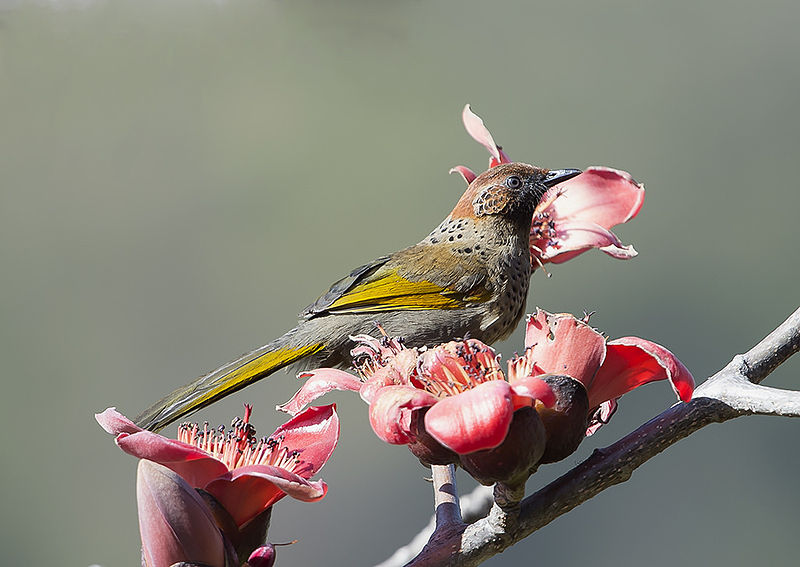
457, 389
175, 523
575, 215
245, 475
561, 344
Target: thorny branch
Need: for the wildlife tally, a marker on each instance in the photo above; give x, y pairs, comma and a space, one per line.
732, 392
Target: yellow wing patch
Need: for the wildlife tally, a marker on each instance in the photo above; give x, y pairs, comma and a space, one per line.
391, 292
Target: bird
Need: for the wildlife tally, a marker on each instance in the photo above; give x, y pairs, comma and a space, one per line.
468, 278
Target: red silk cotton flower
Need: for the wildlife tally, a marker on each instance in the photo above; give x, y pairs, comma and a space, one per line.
245, 475
442, 402
573, 216
565, 345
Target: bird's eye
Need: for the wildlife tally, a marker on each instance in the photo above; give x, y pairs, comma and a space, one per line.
513, 182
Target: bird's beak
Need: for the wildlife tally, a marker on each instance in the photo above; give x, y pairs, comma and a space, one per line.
556, 176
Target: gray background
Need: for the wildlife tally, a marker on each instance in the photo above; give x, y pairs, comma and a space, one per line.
178, 179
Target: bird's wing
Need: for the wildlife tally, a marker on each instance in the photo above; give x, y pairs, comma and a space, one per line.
387, 285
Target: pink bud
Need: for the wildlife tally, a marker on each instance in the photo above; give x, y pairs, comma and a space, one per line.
174, 522
263, 556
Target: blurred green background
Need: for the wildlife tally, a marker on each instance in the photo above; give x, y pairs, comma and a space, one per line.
179, 178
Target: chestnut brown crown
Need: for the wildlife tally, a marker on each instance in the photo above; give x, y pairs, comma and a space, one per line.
509, 189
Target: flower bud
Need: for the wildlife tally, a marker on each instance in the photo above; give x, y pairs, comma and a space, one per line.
516, 458
427, 449
175, 524
566, 422
264, 556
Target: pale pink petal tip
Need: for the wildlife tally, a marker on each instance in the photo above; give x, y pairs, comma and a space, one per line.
620, 252
115, 423
465, 172
476, 128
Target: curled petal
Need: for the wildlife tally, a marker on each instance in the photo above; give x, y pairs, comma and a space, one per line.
465, 172
397, 372
620, 252
193, 464
562, 344
319, 382
575, 237
472, 420
311, 436
632, 362
533, 389
247, 491
377, 349
174, 521
476, 128
390, 412
601, 416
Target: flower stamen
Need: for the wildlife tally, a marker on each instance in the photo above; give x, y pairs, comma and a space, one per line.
239, 447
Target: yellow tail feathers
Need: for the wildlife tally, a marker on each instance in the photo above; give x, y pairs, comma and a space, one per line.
221, 382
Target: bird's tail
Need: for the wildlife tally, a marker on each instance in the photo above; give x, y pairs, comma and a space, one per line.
225, 380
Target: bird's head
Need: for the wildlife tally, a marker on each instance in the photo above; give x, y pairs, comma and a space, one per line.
509, 190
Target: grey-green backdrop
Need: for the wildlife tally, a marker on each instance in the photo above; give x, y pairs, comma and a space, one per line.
179, 178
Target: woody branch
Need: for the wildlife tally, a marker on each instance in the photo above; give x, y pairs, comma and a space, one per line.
732, 392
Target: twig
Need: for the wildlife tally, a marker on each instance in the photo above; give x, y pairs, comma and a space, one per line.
445, 496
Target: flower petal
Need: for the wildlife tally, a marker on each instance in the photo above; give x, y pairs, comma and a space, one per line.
476, 128
193, 464
632, 362
174, 521
390, 412
601, 416
578, 214
620, 252
313, 435
319, 382
472, 420
576, 237
115, 423
562, 344
247, 491
533, 389
396, 372
601, 195
465, 172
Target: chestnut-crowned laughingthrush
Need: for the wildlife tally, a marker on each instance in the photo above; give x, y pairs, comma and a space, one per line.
467, 278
